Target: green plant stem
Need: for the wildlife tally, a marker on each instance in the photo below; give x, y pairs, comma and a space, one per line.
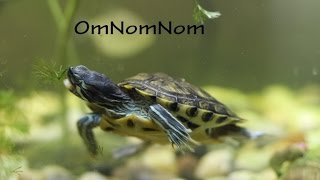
64, 30
63, 21
56, 12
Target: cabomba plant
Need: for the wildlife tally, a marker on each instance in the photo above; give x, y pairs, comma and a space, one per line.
200, 14
49, 74
65, 51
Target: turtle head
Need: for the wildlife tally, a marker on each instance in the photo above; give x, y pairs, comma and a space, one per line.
93, 87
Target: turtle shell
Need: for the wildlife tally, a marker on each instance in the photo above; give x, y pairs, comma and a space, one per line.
190, 104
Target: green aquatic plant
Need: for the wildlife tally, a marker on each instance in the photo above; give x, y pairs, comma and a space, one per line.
49, 72
200, 14
306, 167
65, 53
281, 160
12, 124
10, 165
12, 120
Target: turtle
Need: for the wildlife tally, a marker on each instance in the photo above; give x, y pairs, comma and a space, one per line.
154, 107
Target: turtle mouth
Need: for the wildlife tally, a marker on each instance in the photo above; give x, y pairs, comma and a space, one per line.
70, 82
69, 85
73, 83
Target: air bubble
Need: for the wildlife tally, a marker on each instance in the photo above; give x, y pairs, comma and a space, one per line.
315, 71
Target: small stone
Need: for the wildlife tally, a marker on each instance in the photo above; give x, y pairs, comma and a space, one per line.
53, 172
138, 171
305, 168
241, 175
157, 162
218, 178
250, 158
160, 158
29, 174
92, 176
215, 163
187, 164
267, 174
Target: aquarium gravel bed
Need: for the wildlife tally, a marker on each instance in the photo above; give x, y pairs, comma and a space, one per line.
290, 151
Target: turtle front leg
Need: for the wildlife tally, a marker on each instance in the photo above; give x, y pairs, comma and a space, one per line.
85, 126
178, 135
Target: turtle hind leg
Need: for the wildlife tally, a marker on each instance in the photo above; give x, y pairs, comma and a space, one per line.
85, 126
234, 135
177, 133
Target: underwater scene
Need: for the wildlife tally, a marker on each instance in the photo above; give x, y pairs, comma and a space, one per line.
153, 90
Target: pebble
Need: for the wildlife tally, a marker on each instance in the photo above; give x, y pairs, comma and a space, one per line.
250, 158
267, 174
215, 163
217, 178
29, 174
53, 172
92, 176
139, 172
160, 158
303, 168
187, 164
241, 175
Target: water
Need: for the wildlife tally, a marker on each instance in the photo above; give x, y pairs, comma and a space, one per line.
261, 58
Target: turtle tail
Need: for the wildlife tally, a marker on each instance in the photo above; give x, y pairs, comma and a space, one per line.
236, 135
